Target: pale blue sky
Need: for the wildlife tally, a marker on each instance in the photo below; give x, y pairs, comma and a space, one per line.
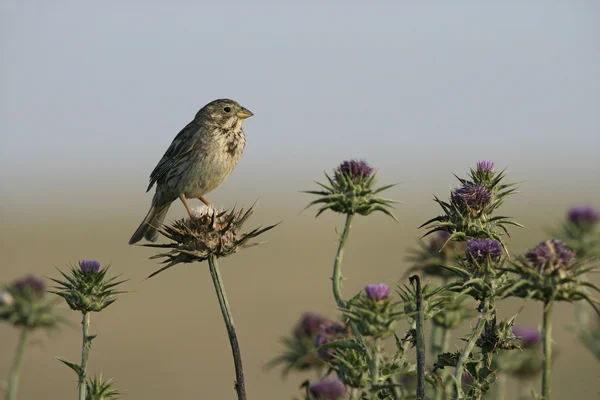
92, 94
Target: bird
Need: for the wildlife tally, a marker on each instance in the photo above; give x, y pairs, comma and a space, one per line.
199, 159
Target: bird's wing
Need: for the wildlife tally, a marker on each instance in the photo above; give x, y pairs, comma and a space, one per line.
181, 146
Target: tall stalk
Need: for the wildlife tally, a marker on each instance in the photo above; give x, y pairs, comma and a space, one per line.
240, 386
487, 310
337, 265
547, 343
85, 353
15, 369
374, 369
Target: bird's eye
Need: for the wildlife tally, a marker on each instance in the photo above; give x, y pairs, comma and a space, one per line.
227, 109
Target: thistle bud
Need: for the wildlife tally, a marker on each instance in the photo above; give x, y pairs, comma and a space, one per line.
480, 250
351, 191
328, 388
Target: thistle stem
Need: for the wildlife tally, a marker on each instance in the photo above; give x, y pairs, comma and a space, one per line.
460, 366
420, 339
375, 369
337, 272
85, 353
547, 343
15, 369
240, 386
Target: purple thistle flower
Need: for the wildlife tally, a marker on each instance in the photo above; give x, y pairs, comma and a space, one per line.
328, 388
465, 377
551, 253
35, 284
377, 291
89, 265
529, 336
469, 196
485, 166
355, 169
584, 214
310, 324
481, 249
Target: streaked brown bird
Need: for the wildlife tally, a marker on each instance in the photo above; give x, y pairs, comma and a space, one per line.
198, 160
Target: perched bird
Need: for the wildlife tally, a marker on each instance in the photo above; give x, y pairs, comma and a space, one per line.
198, 160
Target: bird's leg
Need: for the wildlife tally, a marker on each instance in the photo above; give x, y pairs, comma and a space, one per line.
202, 199
187, 207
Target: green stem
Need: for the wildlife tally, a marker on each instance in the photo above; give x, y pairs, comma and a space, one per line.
420, 322
375, 369
240, 386
15, 369
547, 343
440, 337
85, 353
460, 366
337, 272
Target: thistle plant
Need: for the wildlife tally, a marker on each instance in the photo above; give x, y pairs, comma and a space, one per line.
87, 289
580, 231
24, 304
209, 234
469, 212
351, 191
548, 273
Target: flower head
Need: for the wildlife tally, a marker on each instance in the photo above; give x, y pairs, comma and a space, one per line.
208, 233
529, 336
328, 388
30, 282
86, 288
89, 265
355, 169
471, 197
482, 249
485, 166
584, 214
351, 191
550, 256
24, 303
377, 291
310, 324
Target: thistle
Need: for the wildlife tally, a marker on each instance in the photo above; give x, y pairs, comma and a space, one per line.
86, 289
99, 389
328, 388
208, 235
373, 312
299, 353
24, 304
550, 272
351, 191
468, 213
580, 231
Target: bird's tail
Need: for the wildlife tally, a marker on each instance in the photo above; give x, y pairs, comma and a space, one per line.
153, 220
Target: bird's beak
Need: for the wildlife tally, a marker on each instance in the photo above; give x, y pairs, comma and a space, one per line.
244, 113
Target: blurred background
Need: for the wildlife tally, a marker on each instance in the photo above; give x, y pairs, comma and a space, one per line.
93, 94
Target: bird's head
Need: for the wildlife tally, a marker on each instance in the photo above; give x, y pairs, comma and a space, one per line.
224, 112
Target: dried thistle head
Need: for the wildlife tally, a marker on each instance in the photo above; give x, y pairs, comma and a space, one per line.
208, 233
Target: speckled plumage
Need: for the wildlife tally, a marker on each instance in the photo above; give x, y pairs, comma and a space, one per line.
198, 160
